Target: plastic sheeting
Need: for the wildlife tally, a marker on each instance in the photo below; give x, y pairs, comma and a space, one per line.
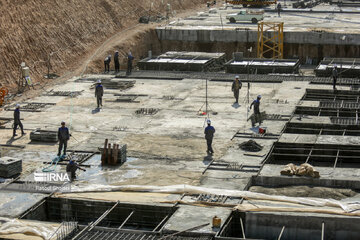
264, 208
180, 189
13, 226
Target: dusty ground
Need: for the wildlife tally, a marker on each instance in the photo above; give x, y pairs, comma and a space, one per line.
76, 32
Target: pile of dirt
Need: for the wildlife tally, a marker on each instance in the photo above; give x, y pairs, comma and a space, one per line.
306, 191
71, 31
251, 146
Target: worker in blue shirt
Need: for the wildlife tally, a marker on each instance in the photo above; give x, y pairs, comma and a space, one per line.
99, 91
17, 121
257, 115
63, 136
209, 135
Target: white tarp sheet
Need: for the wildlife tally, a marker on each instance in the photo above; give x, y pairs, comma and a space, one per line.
13, 226
179, 189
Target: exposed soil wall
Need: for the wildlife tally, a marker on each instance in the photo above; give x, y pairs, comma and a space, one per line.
71, 29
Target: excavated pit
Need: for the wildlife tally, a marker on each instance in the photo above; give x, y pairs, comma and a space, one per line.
129, 216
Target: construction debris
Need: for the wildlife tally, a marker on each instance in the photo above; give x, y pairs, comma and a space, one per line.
117, 83
10, 167
250, 146
146, 111
30, 107
304, 169
64, 93
43, 136
112, 155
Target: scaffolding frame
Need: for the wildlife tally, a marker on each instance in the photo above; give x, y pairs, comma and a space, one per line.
270, 38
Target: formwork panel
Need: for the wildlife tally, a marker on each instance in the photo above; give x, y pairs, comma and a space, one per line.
327, 155
322, 129
262, 66
145, 217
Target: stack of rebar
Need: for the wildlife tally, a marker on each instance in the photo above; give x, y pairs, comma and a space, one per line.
118, 84
113, 154
146, 111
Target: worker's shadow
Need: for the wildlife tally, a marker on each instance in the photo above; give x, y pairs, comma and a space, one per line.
95, 111
11, 140
42, 143
236, 105
207, 159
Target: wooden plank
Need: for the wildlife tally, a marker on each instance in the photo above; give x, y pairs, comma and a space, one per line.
113, 157
109, 154
103, 156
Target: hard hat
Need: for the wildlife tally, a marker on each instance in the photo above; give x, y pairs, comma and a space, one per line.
236, 76
335, 65
98, 81
17, 105
209, 121
116, 51
62, 122
259, 96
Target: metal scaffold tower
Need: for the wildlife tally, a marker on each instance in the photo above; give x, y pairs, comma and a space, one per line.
270, 39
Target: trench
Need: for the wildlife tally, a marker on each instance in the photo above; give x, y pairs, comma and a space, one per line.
128, 216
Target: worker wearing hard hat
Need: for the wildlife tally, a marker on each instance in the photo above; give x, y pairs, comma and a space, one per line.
17, 121
99, 92
236, 86
335, 76
257, 116
71, 168
63, 136
209, 135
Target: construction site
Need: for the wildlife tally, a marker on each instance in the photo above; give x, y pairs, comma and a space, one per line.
277, 81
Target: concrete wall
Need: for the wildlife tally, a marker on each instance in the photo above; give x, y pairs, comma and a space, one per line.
266, 225
245, 35
302, 45
273, 181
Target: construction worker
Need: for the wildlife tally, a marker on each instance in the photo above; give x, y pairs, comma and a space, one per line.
129, 67
116, 61
107, 61
99, 92
279, 8
236, 86
63, 136
17, 121
335, 76
71, 168
209, 135
257, 116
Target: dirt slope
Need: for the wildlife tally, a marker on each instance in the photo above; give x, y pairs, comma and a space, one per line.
31, 29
